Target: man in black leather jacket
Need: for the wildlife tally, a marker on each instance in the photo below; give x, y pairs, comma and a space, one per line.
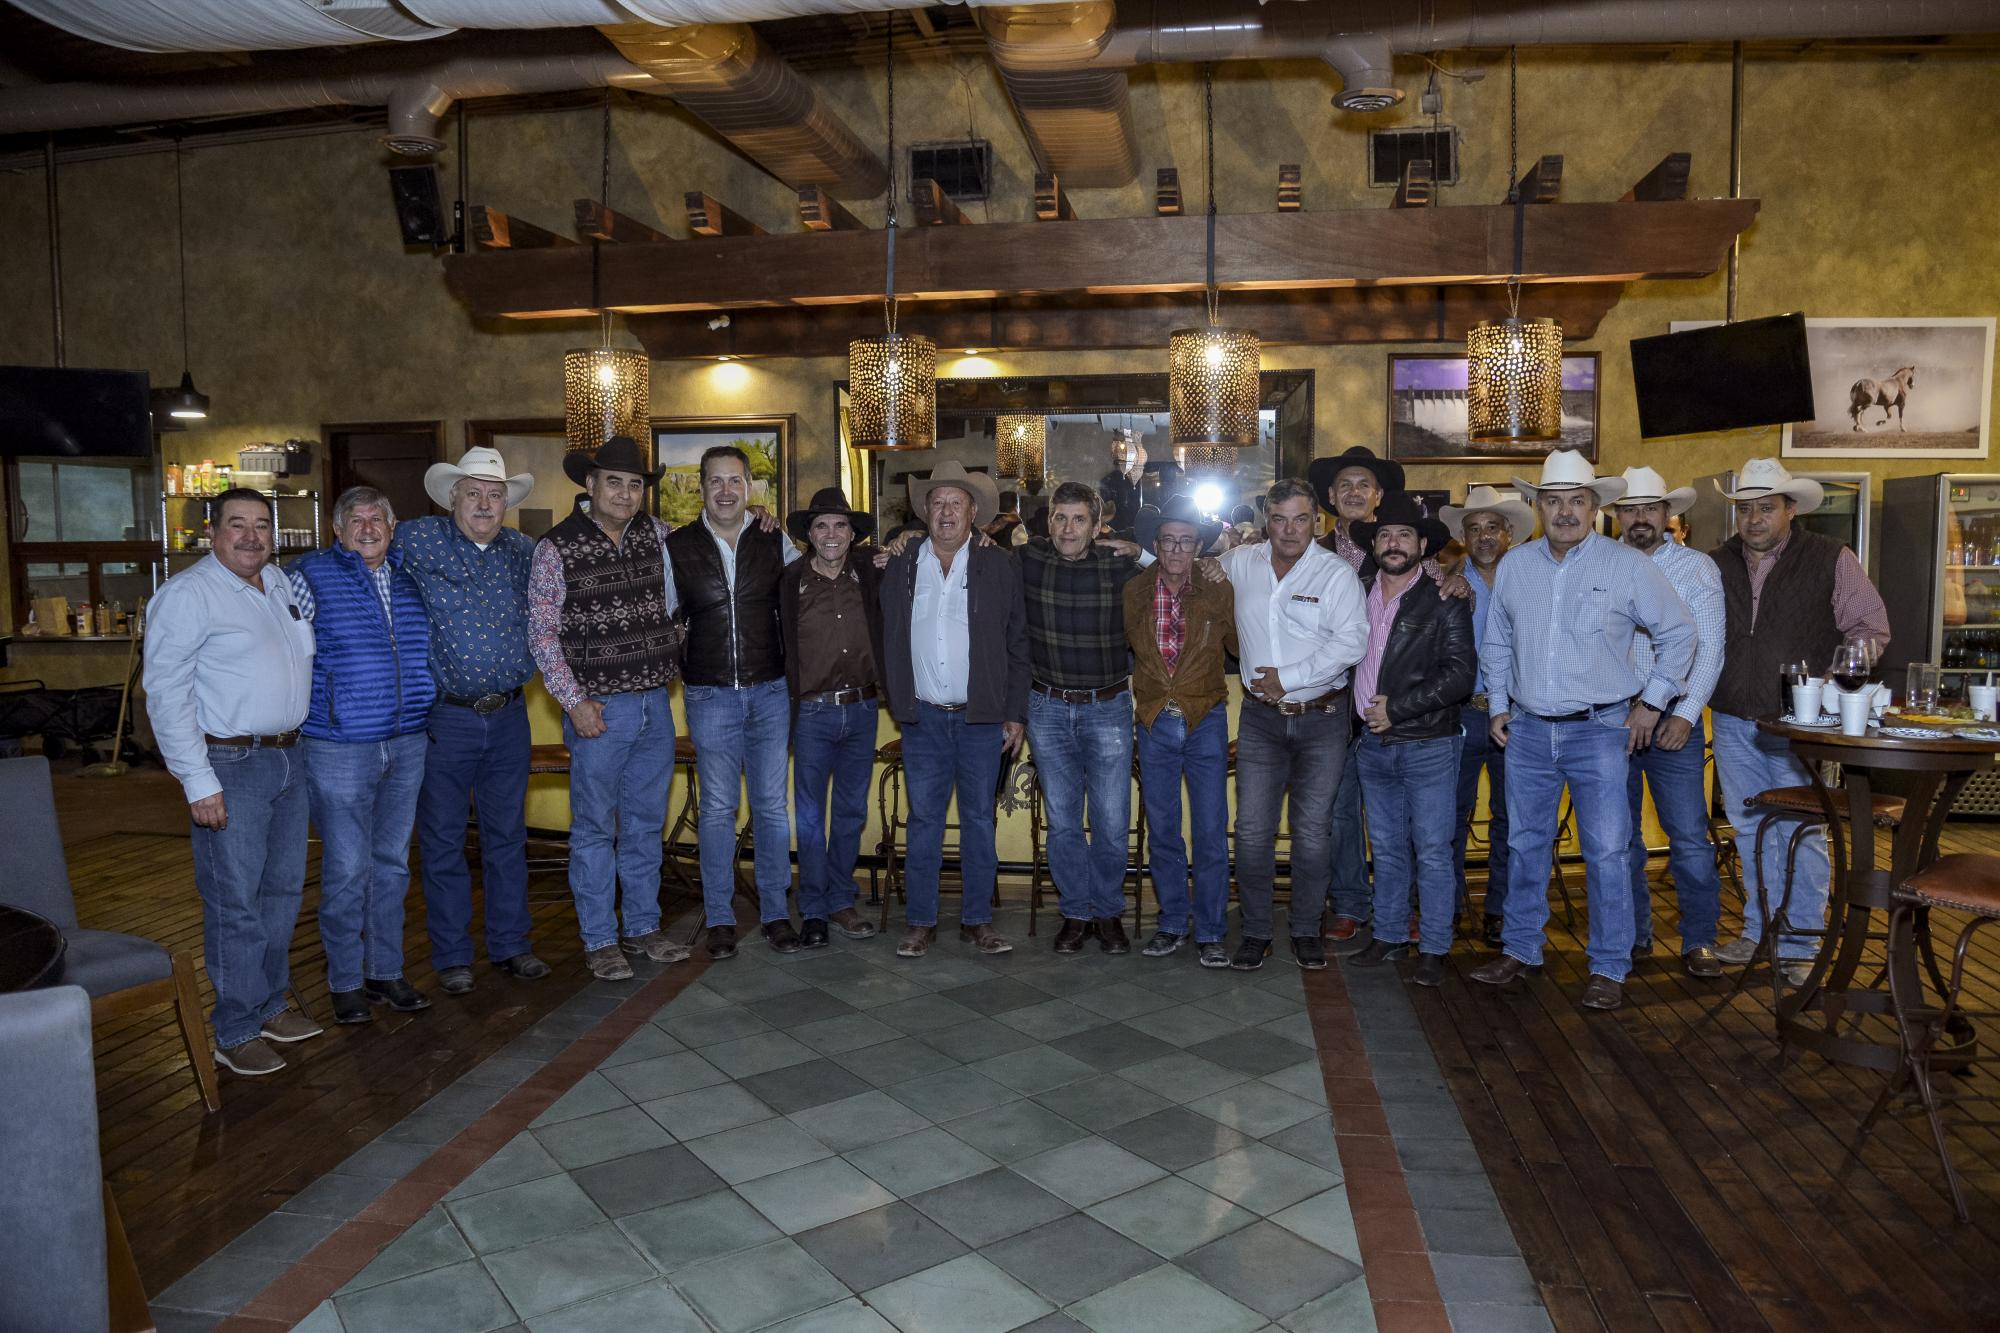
1408, 687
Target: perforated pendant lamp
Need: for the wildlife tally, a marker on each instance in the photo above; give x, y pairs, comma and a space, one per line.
1019, 444
185, 403
1513, 366
607, 390
1213, 389
891, 379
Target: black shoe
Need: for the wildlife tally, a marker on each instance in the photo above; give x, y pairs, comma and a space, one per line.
1429, 970
1111, 935
1504, 971
721, 942
814, 935
351, 1006
457, 980
398, 994
1308, 952
1491, 932
1072, 935
523, 965
1213, 954
1378, 952
1163, 943
1601, 992
781, 937
1642, 949
1250, 954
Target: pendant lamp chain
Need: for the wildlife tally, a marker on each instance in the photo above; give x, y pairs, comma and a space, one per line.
1213, 373
1514, 177
1208, 119
180, 241
889, 269
607, 391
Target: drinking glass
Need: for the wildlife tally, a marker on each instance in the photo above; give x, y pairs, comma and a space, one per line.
1921, 694
1849, 668
1790, 674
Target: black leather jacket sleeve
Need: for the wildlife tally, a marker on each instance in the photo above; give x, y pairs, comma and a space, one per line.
1432, 665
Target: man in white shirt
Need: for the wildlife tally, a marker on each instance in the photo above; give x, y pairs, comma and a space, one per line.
228, 678
1301, 625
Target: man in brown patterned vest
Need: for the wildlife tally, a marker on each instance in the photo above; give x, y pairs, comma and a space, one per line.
601, 627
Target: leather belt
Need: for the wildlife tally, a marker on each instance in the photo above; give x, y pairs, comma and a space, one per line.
1326, 703
482, 704
1583, 715
944, 708
1080, 696
856, 696
284, 740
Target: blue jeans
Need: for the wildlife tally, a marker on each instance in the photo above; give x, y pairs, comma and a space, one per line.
484, 759
1589, 757
1748, 762
251, 875
1476, 752
943, 752
1411, 790
617, 814
833, 754
743, 734
1279, 759
364, 800
1083, 756
1348, 885
1680, 799
1170, 752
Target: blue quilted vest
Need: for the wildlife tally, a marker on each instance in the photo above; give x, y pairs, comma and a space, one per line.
368, 684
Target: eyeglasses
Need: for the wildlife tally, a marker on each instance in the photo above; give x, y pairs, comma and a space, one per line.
1179, 543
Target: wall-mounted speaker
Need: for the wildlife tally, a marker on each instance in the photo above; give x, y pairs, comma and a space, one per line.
418, 209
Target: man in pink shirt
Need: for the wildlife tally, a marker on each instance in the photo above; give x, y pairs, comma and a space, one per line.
1408, 686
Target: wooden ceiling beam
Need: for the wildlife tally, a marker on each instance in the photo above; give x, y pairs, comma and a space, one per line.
819, 211
706, 217
1167, 193
1665, 183
494, 230
1051, 201
595, 222
1291, 188
1418, 189
934, 207
1543, 181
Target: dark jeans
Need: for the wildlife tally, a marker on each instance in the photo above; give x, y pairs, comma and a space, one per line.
1478, 751
1680, 798
1280, 760
617, 811
364, 800
741, 737
1347, 845
942, 752
484, 759
1410, 791
1170, 753
1083, 756
251, 875
833, 764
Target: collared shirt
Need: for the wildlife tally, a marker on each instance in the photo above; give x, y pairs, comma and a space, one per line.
1170, 620
302, 593
1699, 584
1857, 606
1482, 597
1381, 618
940, 630
727, 549
547, 591
223, 659
1357, 555
1076, 614
1310, 624
478, 601
1559, 633
834, 649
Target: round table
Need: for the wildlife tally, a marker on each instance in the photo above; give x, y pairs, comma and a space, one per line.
31, 949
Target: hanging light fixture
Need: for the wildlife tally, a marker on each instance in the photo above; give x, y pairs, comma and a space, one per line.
607, 390
1212, 372
185, 403
1513, 366
892, 379
1128, 455
1016, 438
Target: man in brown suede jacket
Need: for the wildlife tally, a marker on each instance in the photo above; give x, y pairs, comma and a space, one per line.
1179, 627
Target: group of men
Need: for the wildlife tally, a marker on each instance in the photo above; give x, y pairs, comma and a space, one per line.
379, 684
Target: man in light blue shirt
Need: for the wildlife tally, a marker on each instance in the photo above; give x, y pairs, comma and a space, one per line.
1568, 706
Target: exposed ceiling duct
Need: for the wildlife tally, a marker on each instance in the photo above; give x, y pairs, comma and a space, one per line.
1078, 119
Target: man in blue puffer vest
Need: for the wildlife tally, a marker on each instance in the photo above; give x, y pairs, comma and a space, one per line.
364, 747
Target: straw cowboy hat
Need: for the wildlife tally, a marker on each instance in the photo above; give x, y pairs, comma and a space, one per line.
1644, 486
1513, 511
480, 464
985, 492
829, 500
1177, 509
1321, 472
1767, 476
1568, 470
620, 453
1400, 509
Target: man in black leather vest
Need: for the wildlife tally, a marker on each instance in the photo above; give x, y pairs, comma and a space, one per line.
738, 708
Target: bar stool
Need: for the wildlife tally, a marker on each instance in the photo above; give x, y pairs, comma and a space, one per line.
1962, 882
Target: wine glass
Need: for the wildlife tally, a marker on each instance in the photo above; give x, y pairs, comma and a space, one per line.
1871, 649
1850, 666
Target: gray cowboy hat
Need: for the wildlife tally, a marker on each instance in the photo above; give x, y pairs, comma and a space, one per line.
620, 453
985, 491
828, 500
1177, 509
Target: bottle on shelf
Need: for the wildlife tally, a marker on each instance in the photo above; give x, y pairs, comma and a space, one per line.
103, 617
119, 624
85, 621
173, 479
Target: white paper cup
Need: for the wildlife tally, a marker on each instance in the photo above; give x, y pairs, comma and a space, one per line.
1806, 702
1983, 701
1854, 713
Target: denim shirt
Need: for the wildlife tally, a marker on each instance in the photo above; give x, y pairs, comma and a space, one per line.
478, 603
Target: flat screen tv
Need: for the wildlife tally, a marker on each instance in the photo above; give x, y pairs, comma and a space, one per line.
46, 412
1723, 377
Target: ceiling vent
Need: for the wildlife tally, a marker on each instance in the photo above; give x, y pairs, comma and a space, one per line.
963, 168
1389, 151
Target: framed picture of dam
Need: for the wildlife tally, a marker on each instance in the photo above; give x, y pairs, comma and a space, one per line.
1427, 412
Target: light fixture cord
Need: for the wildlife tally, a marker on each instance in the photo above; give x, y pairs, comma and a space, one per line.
180, 243
1208, 117
1514, 195
889, 273
597, 244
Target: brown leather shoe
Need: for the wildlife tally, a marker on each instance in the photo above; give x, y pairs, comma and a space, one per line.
1072, 935
986, 939
1111, 935
916, 942
852, 924
1603, 993
1701, 961
1342, 929
1503, 970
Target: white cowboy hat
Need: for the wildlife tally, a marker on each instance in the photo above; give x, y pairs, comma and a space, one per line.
1644, 486
1568, 470
1767, 476
1513, 511
985, 492
481, 464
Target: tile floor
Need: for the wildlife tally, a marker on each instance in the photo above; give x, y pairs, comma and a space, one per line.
843, 1140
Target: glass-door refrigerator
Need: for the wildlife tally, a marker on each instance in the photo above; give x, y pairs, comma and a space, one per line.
1842, 515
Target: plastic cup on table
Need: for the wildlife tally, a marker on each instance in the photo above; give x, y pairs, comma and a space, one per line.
1806, 702
1983, 698
1854, 712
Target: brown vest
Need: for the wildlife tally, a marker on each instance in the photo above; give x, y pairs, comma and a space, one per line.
615, 632
1794, 621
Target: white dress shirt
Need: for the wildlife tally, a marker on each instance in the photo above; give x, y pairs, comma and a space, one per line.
1312, 625
940, 632
727, 549
223, 659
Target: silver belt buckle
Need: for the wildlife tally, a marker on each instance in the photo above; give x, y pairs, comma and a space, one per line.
487, 704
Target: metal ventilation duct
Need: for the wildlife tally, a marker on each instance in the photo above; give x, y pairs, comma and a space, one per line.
1078, 119
229, 25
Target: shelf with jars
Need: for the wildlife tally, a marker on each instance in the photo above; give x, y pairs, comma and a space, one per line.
295, 522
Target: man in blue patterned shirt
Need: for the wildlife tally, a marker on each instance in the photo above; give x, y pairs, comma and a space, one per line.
473, 573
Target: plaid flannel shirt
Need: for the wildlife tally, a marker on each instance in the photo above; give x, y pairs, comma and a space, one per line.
1076, 615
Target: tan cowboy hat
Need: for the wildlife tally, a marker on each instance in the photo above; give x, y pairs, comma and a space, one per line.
1568, 470
1767, 476
481, 464
1513, 511
985, 492
1644, 486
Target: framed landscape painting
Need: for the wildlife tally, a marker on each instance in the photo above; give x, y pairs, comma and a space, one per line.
1427, 412
679, 442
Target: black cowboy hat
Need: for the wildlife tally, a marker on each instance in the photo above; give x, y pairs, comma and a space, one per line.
1177, 509
1321, 472
620, 453
1400, 509
828, 500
